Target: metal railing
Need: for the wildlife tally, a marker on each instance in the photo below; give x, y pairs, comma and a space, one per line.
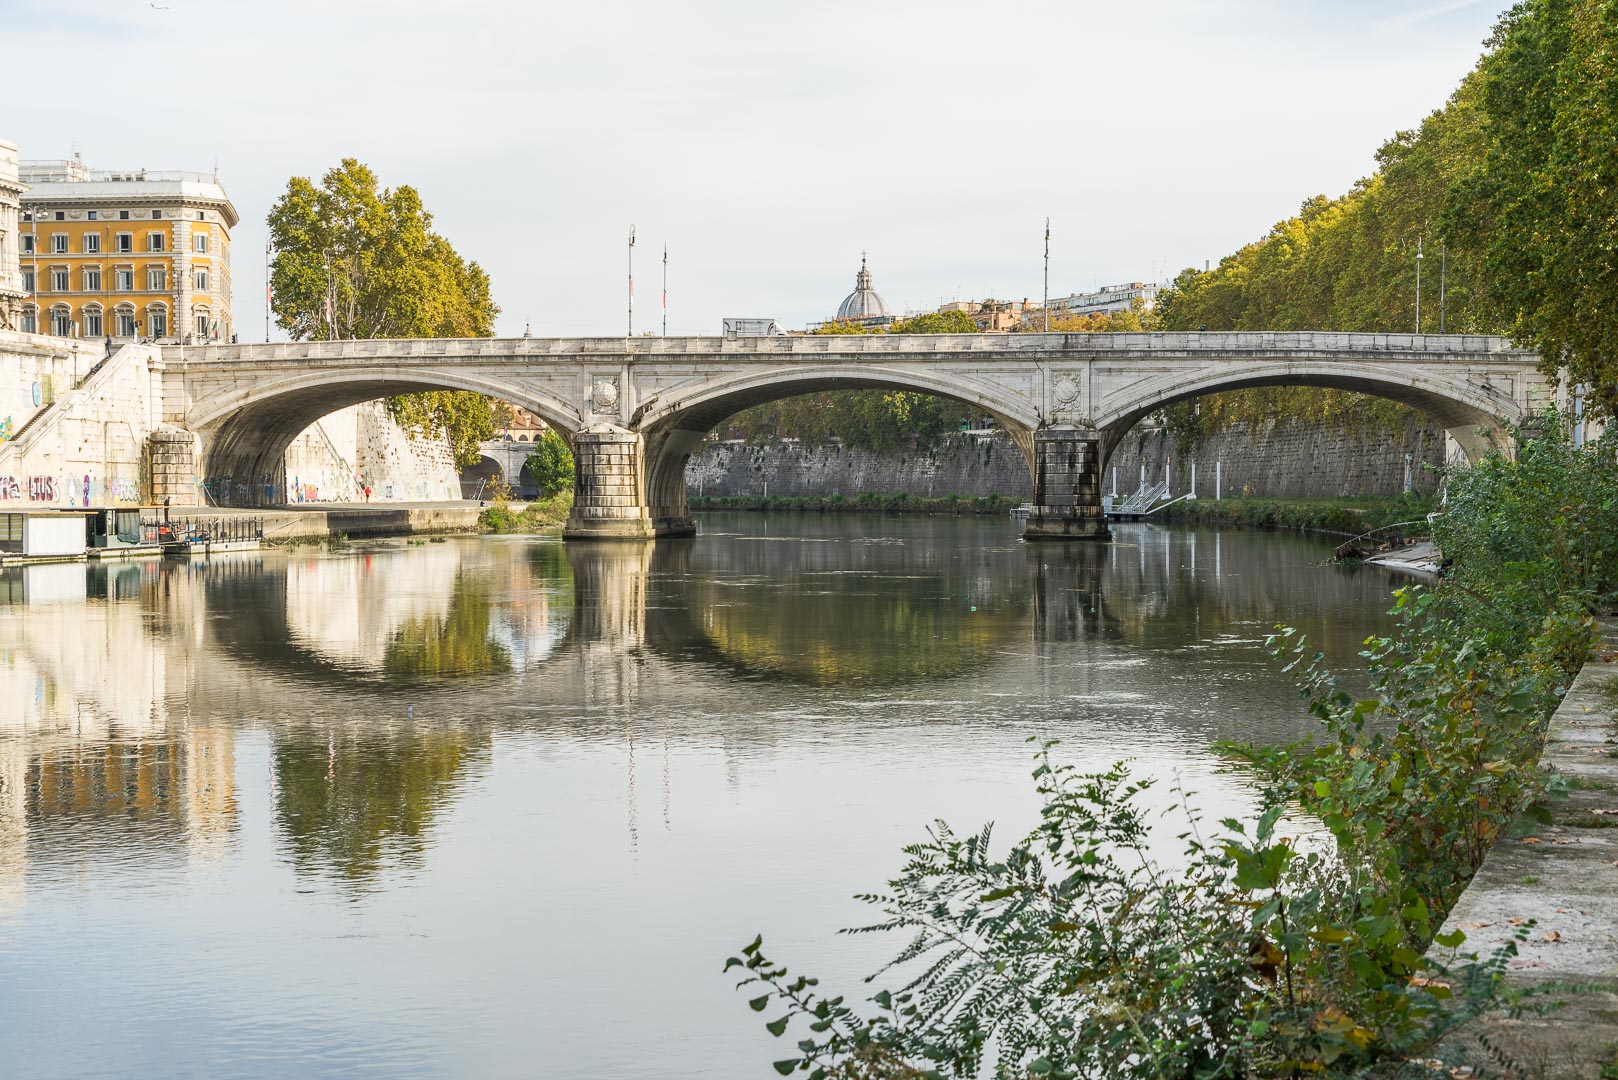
208, 530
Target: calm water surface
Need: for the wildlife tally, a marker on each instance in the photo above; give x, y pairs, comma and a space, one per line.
500, 807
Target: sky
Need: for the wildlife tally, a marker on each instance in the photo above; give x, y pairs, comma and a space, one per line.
766, 144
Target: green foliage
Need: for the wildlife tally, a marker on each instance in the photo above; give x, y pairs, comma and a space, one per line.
551, 464
370, 253
936, 322
373, 252
1347, 516
541, 515
1077, 954
466, 419
1540, 199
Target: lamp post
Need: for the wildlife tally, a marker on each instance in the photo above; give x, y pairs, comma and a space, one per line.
1045, 306
1418, 284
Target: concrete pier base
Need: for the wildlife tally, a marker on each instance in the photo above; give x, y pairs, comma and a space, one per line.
609, 501
1067, 486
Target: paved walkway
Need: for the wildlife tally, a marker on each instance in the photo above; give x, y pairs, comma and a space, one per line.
1558, 866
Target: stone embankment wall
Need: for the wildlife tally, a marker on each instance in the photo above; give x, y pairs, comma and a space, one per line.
1284, 461
74, 423
80, 428
340, 454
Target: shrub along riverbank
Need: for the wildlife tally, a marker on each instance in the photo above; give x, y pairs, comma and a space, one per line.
541, 515
1077, 953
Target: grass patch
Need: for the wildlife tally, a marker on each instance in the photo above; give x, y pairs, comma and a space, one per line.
539, 516
1348, 516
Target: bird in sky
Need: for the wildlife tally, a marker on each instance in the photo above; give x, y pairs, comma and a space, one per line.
157, 7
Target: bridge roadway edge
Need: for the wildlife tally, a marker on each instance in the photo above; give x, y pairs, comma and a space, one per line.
1566, 880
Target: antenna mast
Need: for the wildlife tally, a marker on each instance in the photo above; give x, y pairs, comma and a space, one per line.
631, 332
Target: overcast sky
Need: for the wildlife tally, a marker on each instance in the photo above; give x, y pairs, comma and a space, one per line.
766, 143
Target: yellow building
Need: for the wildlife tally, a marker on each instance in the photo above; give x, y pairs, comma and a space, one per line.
126, 255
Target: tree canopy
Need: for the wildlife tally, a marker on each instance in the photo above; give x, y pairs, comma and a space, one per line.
1539, 205
356, 260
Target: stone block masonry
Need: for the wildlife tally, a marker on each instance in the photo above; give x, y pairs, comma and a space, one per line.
1281, 461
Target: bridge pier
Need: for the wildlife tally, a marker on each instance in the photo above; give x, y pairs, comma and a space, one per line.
1067, 486
609, 486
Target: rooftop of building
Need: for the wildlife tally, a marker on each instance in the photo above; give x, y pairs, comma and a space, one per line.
69, 181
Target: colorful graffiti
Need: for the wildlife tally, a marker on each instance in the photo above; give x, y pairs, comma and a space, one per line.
124, 490
5, 429
42, 489
9, 488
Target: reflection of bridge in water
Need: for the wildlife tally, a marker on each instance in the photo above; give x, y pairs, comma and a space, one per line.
378, 679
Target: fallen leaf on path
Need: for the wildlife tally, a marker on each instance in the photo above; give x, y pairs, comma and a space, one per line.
1516, 922
1478, 925
1554, 935
1559, 840
1532, 840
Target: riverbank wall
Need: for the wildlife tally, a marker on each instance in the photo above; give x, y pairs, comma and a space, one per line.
283, 526
1278, 461
1552, 880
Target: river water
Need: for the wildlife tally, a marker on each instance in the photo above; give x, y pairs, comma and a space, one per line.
500, 807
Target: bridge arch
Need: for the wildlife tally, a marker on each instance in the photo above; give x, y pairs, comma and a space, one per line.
1478, 418
245, 435
675, 424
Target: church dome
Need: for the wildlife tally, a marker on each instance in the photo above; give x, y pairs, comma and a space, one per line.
863, 302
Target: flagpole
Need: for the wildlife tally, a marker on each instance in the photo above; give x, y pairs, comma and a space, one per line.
665, 290
631, 331
269, 293
1046, 308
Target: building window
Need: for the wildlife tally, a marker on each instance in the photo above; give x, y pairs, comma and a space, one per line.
123, 280
202, 324
92, 243
30, 321
123, 215
202, 280
92, 279
157, 215
59, 279
200, 242
126, 241
28, 279
92, 215
59, 243
27, 243
61, 322
154, 241
61, 216
92, 322
156, 279
124, 320
157, 322
201, 216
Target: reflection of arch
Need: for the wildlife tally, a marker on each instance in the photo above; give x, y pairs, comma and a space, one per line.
246, 434
676, 422
1475, 416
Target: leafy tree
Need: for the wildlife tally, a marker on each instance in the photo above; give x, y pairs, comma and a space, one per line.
355, 260
550, 464
1540, 202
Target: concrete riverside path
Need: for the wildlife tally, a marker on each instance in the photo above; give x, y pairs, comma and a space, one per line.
1562, 873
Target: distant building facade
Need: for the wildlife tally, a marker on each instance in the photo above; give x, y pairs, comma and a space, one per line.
991, 316
1108, 300
11, 190
753, 328
126, 255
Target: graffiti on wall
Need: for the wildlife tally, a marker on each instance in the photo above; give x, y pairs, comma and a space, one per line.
124, 490
5, 429
9, 488
42, 489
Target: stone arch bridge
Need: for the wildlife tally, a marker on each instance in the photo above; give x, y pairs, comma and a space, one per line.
633, 410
